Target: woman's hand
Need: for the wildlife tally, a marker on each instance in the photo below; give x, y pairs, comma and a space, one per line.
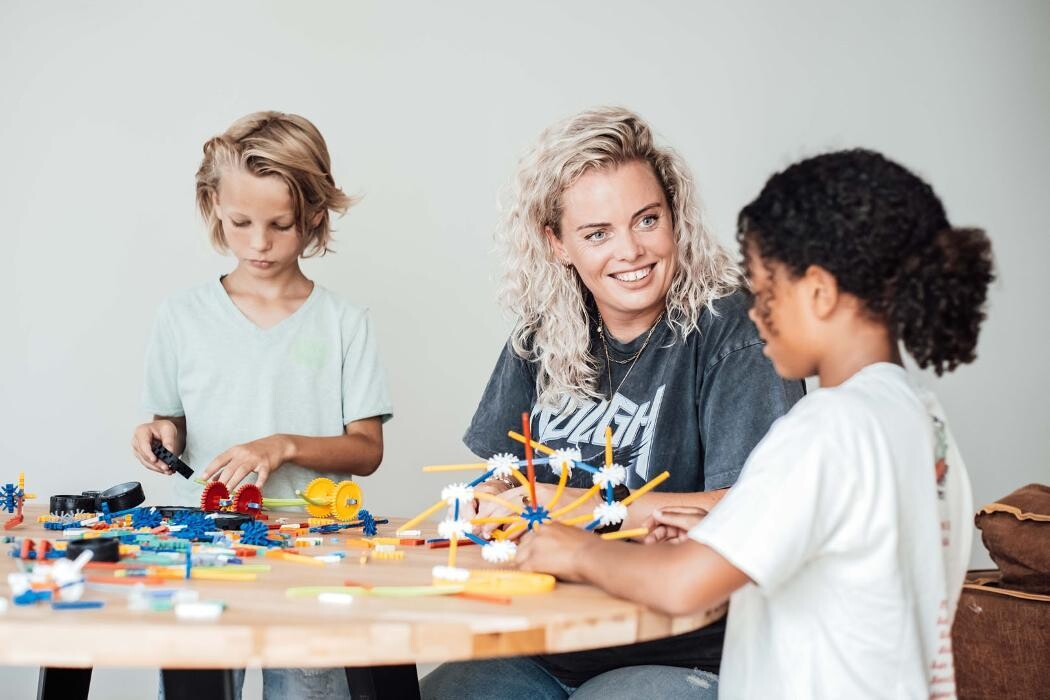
555, 549
163, 431
672, 523
518, 497
260, 456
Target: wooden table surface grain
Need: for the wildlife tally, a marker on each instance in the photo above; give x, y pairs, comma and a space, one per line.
262, 627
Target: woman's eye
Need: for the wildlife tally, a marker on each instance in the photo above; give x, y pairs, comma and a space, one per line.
597, 236
240, 224
289, 227
649, 220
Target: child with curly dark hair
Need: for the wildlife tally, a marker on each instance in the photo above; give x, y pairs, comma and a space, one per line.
845, 540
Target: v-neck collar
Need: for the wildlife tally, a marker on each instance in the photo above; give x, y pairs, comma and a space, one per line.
250, 325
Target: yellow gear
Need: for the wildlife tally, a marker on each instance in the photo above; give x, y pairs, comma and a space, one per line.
319, 490
346, 501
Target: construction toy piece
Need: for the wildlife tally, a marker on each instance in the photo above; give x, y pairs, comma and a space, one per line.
193, 526
102, 549
122, 497
317, 495
369, 529
63, 504
146, 518
14, 497
248, 499
324, 498
166, 456
530, 514
257, 534
214, 495
229, 521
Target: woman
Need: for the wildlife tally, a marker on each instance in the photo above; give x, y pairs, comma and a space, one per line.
630, 316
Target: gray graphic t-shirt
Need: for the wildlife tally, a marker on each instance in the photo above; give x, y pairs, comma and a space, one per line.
695, 407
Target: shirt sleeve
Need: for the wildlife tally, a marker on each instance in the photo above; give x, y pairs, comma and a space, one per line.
740, 397
511, 390
365, 393
160, 389
792, 495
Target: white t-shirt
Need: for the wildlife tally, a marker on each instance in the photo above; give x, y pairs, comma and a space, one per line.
311, 374
856, 550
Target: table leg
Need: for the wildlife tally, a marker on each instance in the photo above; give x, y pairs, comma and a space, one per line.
63, 683
194, 684
383, 682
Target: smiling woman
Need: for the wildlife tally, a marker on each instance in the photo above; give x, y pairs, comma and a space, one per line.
629, 317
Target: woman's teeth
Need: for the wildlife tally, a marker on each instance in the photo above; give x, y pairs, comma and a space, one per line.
634, 275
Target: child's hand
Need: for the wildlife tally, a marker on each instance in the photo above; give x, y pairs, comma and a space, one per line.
260, 456
672, 523
554, 549
163, 431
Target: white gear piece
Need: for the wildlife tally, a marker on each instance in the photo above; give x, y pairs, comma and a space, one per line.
563, 459
613, 474
450, 573
610, 513
457, 492
499, 551
502, 464
450, 528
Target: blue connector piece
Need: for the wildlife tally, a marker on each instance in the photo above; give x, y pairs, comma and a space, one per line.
257, 535
370, 528
145, 518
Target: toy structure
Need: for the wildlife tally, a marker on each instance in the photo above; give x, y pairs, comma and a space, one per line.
166, 456
500, 548
322, 498
14, 497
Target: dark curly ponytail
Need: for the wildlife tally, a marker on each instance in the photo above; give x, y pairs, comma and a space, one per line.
883, 233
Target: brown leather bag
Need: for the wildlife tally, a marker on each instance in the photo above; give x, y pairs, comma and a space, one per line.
1016, 531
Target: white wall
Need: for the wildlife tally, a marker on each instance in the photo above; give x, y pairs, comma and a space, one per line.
426, 107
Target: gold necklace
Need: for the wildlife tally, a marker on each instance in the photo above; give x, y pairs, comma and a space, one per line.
633, 359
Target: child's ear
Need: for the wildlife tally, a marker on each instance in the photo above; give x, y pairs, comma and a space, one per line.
556, 245
824, 291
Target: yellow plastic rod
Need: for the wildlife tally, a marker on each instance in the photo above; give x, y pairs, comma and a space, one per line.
656, 481
539, 447
624, 534
562, 480
452, 546
422, 516
585, 518
455, 467
589, 493
608, 446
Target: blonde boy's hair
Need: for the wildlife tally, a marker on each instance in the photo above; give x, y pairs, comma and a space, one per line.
282, 145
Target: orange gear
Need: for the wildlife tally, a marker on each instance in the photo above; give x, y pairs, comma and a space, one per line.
246, 494
214, 492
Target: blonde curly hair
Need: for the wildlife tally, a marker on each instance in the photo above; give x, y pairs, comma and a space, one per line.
548, 298
286, 146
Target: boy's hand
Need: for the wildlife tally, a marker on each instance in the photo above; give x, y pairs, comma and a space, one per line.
260, 456
555, 549
672, 523
163, 431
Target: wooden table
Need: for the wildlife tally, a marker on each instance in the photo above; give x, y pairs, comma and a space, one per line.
261, 627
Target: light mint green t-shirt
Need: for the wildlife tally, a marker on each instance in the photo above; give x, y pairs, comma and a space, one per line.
311, 374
